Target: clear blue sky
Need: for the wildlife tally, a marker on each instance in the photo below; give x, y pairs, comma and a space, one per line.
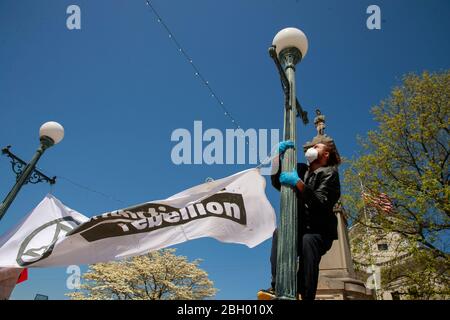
120, 88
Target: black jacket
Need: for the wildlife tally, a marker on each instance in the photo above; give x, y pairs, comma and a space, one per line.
316, 202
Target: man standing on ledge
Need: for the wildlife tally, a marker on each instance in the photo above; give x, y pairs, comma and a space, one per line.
317, 188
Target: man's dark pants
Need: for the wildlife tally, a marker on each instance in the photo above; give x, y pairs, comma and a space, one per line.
311, 248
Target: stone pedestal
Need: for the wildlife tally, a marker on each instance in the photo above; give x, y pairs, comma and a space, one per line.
337, 275
337, 279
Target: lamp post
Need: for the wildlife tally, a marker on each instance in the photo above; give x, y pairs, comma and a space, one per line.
50, 134
290, 45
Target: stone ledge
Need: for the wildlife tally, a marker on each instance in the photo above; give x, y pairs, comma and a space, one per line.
342, 289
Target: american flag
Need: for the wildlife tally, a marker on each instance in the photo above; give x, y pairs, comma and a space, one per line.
380, 201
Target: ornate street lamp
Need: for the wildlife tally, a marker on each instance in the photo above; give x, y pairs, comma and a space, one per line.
289, 46
50, 134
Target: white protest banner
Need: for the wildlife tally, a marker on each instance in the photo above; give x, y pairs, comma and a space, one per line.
233, 209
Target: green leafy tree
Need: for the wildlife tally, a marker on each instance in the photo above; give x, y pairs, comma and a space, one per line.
158, 275
422, 276
407, 159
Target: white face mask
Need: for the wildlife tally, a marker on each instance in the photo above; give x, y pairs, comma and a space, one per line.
311, 155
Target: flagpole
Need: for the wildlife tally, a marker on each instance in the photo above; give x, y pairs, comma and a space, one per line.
367, 232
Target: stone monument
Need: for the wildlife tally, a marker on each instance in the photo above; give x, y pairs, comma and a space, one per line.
337, 275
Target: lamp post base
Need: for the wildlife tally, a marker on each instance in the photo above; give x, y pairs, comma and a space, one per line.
285, 298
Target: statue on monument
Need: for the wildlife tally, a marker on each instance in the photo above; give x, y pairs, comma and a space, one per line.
319, 122
321, 137
337, 276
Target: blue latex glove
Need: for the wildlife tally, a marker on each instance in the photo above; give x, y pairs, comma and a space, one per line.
289, 178
284, 145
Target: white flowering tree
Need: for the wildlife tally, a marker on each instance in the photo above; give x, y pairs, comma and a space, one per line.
158, 275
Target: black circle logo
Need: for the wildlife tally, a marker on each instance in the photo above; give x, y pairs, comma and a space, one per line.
39, 244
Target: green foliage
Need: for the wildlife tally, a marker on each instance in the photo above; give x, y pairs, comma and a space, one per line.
407, 158
421, 275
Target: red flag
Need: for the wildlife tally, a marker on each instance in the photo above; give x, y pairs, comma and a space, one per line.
23, 276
